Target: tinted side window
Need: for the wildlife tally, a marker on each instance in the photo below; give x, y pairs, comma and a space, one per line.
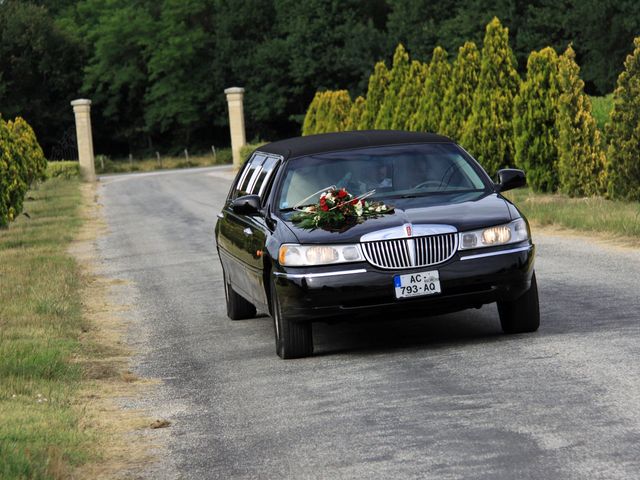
250, 174
263, 176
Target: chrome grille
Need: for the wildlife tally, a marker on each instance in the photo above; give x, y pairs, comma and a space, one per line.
411, 252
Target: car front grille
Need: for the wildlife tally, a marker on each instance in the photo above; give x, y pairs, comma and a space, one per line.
411, 252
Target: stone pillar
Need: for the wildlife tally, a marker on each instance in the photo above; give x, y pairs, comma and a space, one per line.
236, 123
81, 110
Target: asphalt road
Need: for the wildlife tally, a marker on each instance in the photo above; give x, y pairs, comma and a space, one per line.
444, 397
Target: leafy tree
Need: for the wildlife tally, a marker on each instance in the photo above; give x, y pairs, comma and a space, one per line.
623, 132
378, 84
458, 97
316, 44
179, 69
355, 114
40, 69
397, 78
116, 76
488, 133
581, 160
429, 114
534, 121
410, 95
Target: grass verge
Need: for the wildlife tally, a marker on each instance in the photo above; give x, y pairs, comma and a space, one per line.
62, 360
106, 165
616, 219
40, 326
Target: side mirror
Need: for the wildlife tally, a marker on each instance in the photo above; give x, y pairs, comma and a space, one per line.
246, 205
510, 178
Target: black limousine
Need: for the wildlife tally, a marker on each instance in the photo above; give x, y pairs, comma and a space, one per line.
345, 225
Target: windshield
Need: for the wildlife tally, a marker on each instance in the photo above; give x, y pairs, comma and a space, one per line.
399, 171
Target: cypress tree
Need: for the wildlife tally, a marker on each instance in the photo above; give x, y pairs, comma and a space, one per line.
397, 78
29, 149
534, 121
581, 160
332, 111
310, 118
13, 175
355, 114
488, 134
429, 114
458, 97
623, 131
378, 83
410, 94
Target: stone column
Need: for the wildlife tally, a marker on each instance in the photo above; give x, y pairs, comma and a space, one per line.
236, 123
81, 110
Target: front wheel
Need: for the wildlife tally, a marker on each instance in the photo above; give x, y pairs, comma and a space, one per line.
293, 339
523, 314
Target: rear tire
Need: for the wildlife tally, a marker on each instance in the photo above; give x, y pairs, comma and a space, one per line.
523, 314
238, 308
293, 339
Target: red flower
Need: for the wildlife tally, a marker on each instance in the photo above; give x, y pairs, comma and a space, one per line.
324, 207
354, 201
342, 193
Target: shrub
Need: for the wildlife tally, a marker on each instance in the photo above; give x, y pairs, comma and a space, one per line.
378, 83
397, 78
355, 114
63, 169
29, 149
410, 95
623, 132
427, 117
581, 160
458, 97
534, 121
488, 133
13, 174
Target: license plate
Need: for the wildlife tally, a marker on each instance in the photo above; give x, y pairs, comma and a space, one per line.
417, 284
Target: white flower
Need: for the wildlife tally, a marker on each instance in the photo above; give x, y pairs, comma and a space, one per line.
358, 208
378, 209
328, 196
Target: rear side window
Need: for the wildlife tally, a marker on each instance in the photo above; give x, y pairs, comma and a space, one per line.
255, 177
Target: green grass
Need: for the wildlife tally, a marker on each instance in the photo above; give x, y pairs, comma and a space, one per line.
601, 106
107, 165
594, 214
40, 325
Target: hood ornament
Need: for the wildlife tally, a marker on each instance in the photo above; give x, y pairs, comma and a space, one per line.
407, 227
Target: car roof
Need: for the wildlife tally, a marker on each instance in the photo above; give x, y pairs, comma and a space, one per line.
331, 142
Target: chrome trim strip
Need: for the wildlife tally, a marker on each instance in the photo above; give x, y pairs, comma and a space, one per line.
400, 232
501, 252
317, 275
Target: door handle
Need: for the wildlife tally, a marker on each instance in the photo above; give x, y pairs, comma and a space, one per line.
247, 231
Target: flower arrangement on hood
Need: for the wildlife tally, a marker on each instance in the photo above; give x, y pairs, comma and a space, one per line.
337, 209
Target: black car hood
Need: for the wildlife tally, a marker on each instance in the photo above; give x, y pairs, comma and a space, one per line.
466, 211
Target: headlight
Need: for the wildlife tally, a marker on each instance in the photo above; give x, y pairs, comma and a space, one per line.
513, 232
292, 255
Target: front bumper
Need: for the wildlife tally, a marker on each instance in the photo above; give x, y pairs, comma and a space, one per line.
469, 279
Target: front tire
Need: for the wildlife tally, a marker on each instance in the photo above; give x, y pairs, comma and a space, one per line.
293, 339
523, 314
238, 308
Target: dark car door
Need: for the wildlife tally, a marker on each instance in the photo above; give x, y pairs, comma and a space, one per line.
242, 238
